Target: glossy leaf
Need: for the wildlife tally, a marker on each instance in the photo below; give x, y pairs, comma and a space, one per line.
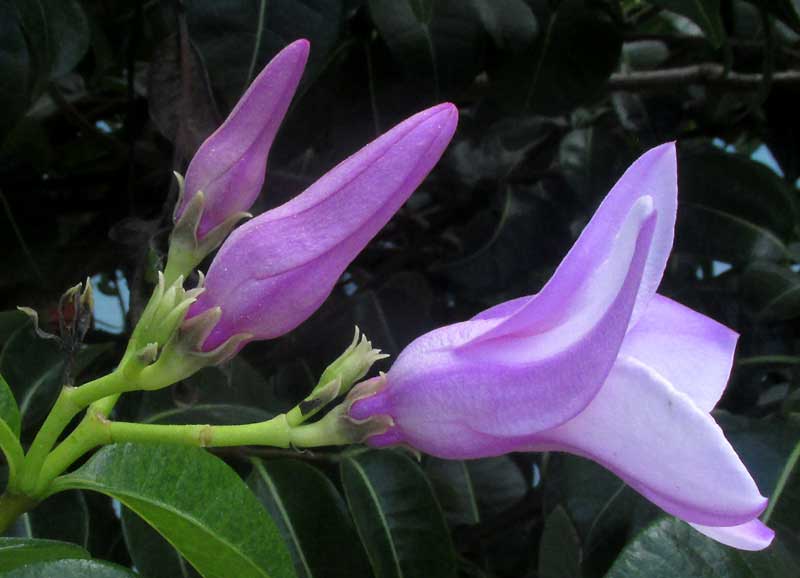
560, 547
72, 569
9, 412
63, 516
670, 548
476, 490
397, 516
437, 42
312, 518
15, 552
773, 291
195, 501
705, 13
152, 555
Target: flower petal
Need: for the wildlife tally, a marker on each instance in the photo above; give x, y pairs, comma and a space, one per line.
229, 166
275, 270
516, 384
691, 351
752, 535
653, 437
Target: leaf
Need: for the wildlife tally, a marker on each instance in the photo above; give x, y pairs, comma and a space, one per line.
312, 518
510, 23
437, 42
63, 517
15, 69
577, 49
773, 291
238, 37
72, 569
560, 547
58, 36
732, 208
783, 512
9, 411
213, 414
16, 552
476, 490
10, 322
35, 368
670, 548
787, 10
397, 516
152, 555
705, 13
195, 501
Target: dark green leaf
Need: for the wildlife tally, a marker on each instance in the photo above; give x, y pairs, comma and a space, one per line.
773, 291
10, 322
63, 517
312, 517
476, 490
238, 37
397, 516
510, 23
786, 10
732, 209
783, 512
15, 69
152, 555
705, 13
560, 547
195, 501
214, 414
577, 49
437, 41
72, 569
670, 548
15, 552
9, 411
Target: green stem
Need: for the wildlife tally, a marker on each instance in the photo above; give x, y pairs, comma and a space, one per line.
11, 507
69, 403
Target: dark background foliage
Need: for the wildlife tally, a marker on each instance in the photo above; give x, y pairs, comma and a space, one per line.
100, 100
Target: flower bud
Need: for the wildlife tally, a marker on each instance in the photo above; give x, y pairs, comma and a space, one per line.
226, 174
273, 272
351, 365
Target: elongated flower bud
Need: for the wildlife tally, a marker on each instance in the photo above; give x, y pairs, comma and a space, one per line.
595, 364
226, 174
273, 272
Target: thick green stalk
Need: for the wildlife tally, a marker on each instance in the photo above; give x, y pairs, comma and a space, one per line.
11, 507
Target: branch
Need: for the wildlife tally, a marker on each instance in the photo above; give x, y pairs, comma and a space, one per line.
709, 73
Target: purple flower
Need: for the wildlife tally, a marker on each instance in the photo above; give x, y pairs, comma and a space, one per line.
274, 271
596, 364
229, 166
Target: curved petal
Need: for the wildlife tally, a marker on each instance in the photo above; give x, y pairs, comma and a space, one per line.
275, 270
515, 385
752, 535
691, 351
229, 166
653, 437
653, 175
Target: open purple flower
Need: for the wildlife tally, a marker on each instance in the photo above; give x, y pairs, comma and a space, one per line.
595, 364
274, 271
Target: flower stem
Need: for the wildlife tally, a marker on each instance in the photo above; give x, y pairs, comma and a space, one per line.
11, 507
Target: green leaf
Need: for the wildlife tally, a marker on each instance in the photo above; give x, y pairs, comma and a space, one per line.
16, 552
560, 547
732, 208
437, 42
152, 555
10, 322
577, 49
783, 512
397, 516
787, 10
238, 37
773, 291
195, 501
510, 23
312, 517
15, 69
9, 411
212, 413
476, 490
72, 569
705, 13
670, 548
63, 517
34, 368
